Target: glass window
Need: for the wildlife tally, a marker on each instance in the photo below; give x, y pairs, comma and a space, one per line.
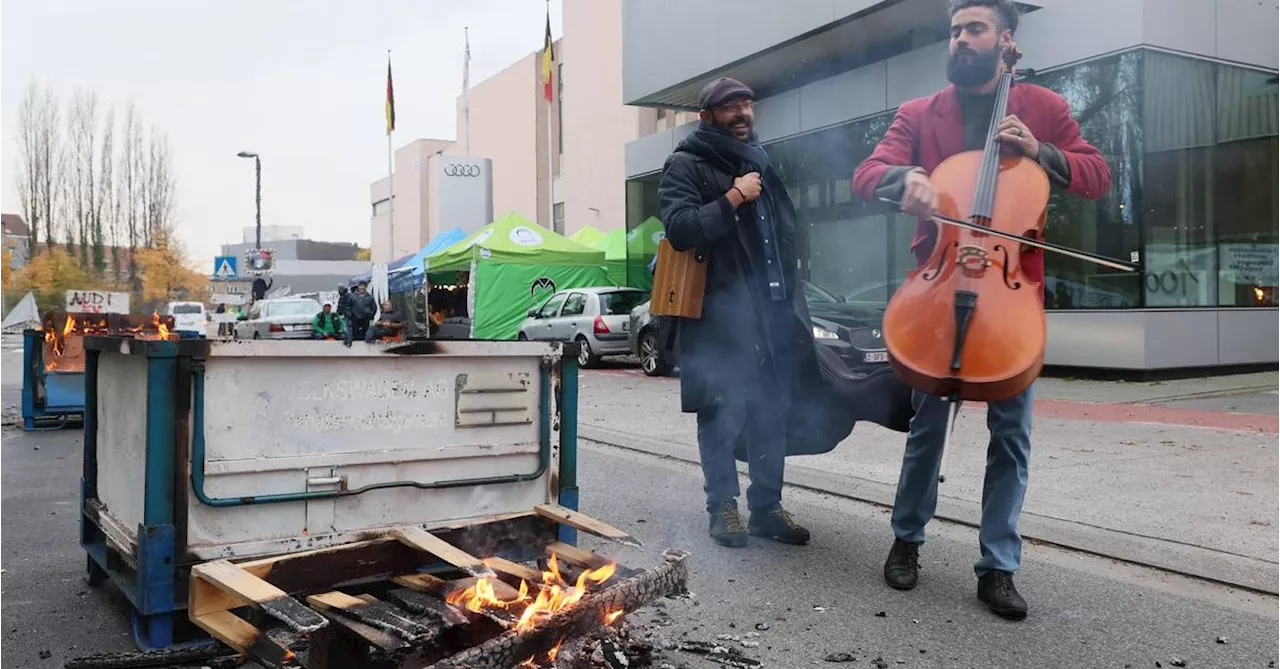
557, 216
292, 308
382, 207
847, 245
642, 204
552, 306
575, 305
1210, 183
621, 302
1105, 97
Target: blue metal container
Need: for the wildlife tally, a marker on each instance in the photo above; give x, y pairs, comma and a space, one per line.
50, 398
196, 450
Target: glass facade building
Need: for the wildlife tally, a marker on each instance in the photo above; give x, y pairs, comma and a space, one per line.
1192, 147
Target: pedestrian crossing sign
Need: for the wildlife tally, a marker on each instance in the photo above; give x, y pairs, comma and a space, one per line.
224, 267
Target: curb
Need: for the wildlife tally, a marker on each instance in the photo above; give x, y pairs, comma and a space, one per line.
1208, 564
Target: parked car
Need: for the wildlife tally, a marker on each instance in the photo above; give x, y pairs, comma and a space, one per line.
188, 317
282, 318
852, 332
597, 318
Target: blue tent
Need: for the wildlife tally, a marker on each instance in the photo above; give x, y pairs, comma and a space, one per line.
405, 274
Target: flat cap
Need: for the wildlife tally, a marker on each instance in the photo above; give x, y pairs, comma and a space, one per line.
722, 90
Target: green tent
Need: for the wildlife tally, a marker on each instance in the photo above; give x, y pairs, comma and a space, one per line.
614, 245
642, 246
514, 266
587, 236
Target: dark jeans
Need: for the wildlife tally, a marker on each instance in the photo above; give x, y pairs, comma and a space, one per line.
758, 415
355, 330
762, 427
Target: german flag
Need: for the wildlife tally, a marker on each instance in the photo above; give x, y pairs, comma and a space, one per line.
547, 58
391, 100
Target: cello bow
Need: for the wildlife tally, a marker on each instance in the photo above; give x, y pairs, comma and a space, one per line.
1031, 241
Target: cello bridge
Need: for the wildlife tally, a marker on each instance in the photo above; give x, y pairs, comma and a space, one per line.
972, 259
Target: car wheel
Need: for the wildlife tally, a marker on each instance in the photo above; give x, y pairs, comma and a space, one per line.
651, 358
257, 335
522, 337
586, 359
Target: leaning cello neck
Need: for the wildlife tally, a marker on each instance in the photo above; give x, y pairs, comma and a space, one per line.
984, 197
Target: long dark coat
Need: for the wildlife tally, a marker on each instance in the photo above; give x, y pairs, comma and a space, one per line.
726, 356
722, 355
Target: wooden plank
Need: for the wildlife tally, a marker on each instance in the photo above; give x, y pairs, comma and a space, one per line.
370, 634
416, 537
251, 590
578, 556
581, 521
372, 612
505, 566
230, 629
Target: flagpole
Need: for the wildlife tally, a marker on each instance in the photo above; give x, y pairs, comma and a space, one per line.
391, 181
466, 88
551, 177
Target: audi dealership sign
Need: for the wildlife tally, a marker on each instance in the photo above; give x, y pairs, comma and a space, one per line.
462, 170
462, 193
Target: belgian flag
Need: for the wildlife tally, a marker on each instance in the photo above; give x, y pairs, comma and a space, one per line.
547, 58
391, 100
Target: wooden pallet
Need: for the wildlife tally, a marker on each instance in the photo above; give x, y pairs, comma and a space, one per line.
220, 590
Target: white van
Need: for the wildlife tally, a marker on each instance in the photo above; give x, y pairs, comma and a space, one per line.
189, 316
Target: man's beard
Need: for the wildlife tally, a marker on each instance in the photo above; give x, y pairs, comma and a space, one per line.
727, 126
980, 68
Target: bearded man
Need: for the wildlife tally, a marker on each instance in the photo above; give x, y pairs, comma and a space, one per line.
925, 132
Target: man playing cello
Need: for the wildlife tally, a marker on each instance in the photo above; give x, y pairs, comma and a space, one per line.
926, 131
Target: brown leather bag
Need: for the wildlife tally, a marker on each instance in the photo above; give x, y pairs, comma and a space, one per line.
679, 283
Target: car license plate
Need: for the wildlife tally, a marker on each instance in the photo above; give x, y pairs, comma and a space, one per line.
876, 356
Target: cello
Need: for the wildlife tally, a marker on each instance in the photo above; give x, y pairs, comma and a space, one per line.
968, 324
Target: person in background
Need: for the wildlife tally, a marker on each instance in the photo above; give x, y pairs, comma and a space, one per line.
389, 325
326, 324
360, 310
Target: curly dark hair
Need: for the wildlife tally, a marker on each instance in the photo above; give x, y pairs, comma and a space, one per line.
1007, 13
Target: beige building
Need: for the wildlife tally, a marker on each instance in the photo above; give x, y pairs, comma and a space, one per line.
591, 127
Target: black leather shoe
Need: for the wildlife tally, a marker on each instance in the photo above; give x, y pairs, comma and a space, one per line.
902, 567
996, 589
726, 526
778, 525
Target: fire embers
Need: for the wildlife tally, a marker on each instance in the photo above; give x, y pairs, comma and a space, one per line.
64, 334
554, 593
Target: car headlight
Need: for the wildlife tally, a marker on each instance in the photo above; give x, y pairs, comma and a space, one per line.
823, 333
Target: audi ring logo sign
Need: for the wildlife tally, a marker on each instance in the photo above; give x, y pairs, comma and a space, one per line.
875, 334
458, 170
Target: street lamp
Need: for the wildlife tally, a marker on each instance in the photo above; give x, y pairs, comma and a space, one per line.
257, 168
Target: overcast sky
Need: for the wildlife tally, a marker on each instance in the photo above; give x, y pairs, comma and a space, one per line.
301, 82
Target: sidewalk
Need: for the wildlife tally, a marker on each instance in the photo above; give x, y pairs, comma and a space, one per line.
1118, 469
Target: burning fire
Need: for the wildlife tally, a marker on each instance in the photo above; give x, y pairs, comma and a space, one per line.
555, 593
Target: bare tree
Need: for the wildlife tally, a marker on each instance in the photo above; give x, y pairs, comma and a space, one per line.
82, 187
128, 187
104, 196
160, 188
28, 173
52, 181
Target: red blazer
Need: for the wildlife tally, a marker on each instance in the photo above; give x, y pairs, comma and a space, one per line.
928, 130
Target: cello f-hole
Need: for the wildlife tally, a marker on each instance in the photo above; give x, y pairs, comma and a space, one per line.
1005, 268
934, 271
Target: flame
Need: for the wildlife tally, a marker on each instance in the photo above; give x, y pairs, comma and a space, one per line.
551, 654
612, 616
1259, 295
554, 594
160, 327
56, 342
481, 596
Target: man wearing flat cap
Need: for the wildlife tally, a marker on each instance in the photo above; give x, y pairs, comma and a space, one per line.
743, 360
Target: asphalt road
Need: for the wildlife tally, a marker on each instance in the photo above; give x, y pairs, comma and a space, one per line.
816, 600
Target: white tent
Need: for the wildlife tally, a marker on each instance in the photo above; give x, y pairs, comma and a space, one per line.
23, 316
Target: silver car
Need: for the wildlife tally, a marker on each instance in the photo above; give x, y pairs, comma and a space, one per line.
597, 318
283, 318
